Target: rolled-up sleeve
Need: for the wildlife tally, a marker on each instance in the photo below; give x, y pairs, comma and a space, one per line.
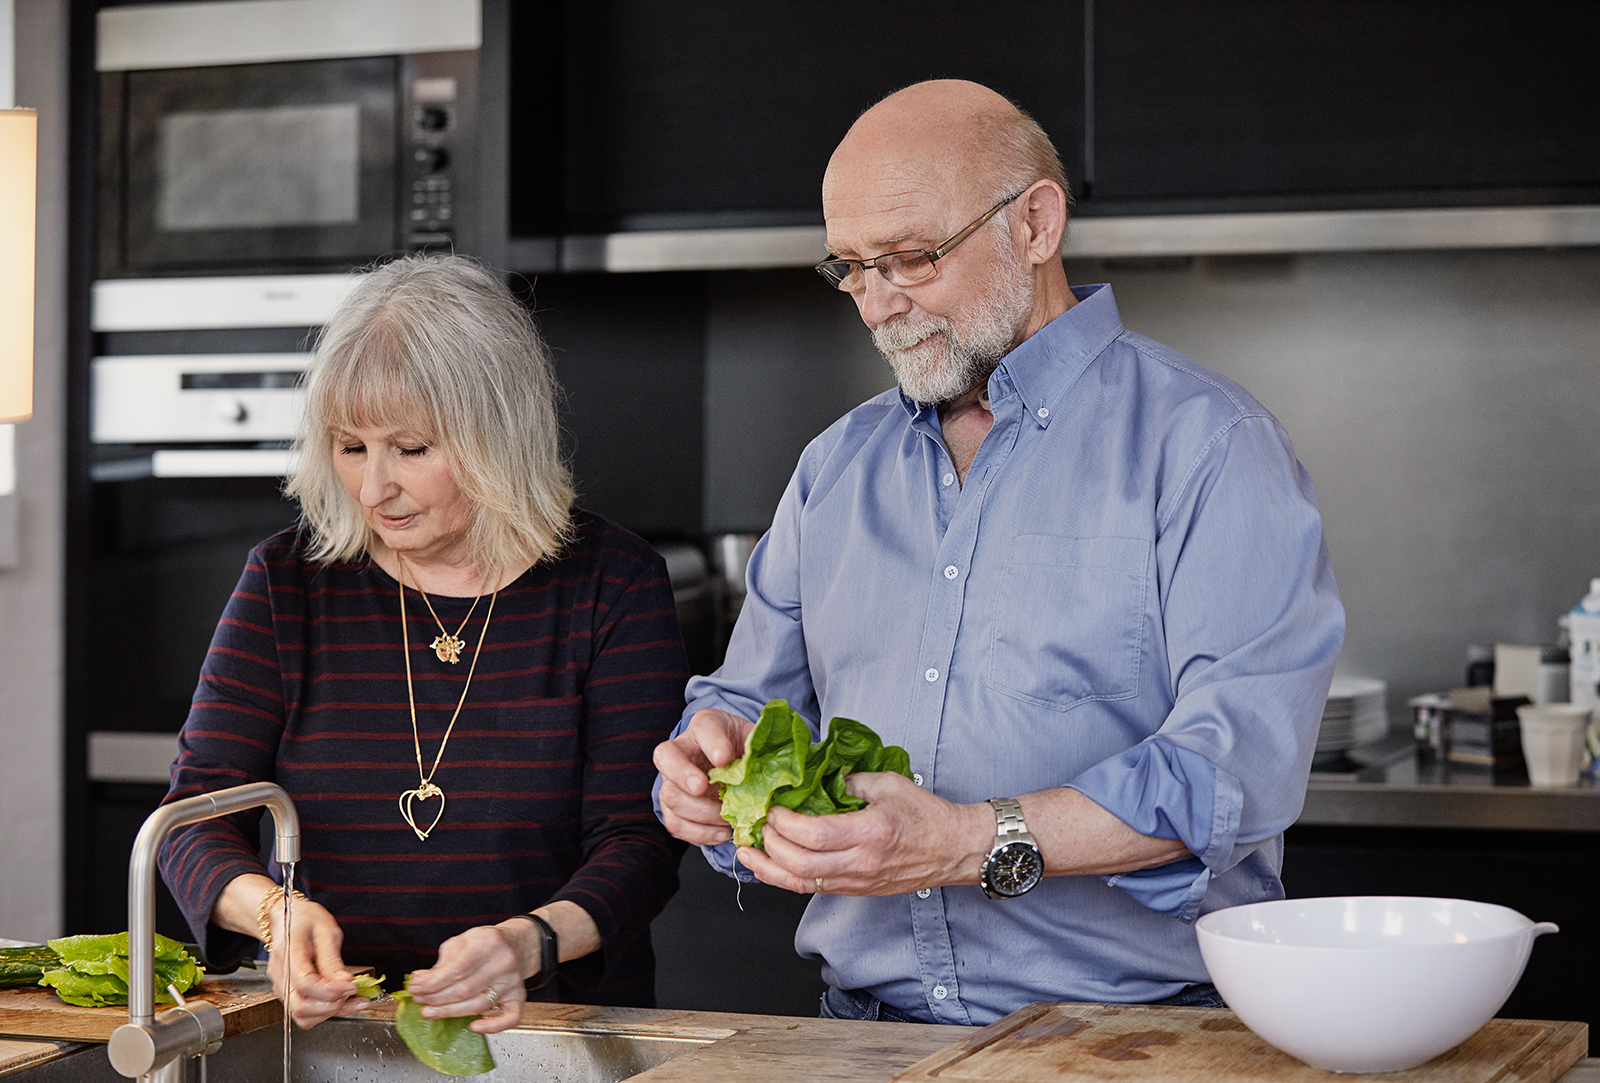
1253, 627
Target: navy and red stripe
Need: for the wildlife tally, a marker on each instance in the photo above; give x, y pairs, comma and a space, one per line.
546, 776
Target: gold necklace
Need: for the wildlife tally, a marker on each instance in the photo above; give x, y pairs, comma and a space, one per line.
425, 789
445, 645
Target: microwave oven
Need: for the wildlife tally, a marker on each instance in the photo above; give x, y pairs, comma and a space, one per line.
288, 136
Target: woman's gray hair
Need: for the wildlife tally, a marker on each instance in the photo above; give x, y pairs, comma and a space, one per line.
440, 348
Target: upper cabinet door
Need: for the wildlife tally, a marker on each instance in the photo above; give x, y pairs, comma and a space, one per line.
1342, 103
724, 112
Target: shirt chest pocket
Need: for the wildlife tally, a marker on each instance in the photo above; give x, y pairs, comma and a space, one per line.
1068, 626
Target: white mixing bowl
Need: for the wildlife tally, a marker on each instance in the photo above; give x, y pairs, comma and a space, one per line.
1366, 983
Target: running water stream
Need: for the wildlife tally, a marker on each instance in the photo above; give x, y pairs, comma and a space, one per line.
288, 987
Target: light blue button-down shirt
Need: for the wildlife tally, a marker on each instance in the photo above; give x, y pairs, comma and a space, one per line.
1129, 595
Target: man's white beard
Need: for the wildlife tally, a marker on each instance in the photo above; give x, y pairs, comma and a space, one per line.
949, 360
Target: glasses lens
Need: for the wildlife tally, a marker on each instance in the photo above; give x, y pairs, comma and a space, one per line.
907, 268
840, 273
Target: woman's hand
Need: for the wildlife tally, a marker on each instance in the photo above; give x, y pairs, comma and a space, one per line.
499, 957
311, 968
308, 974
485, 958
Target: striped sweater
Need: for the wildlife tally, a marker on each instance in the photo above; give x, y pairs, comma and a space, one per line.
546, 776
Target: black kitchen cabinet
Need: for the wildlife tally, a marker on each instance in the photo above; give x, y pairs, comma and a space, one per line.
629, 115
1333, 103
724, 112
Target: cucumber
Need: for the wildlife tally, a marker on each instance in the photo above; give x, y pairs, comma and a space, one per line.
25, 966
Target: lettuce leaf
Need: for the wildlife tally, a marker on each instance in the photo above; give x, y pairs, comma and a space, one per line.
782, 766
445, 1045
775, 755
87, 990
95, 969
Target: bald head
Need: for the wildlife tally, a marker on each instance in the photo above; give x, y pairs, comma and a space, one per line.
945, 135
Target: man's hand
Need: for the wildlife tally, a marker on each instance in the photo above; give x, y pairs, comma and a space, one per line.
690, 807
905, 839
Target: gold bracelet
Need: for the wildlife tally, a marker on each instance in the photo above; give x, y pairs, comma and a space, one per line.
262, 912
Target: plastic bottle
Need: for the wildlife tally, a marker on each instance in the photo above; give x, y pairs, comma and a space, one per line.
1583, 625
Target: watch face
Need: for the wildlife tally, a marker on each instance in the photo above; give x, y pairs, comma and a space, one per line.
1014, 869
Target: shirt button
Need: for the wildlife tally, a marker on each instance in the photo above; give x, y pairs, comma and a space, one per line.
950, 572
924, 893
917, 779
931, 676
940, 992
1044, 411
948, 479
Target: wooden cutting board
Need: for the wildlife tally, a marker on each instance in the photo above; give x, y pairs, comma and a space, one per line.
1049, 1042
247, 1004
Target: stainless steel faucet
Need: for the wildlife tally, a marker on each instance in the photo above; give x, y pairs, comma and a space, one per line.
152, 1047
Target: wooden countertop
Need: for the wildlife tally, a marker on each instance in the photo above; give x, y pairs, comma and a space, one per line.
786, 1049
17, 1054
740, 1048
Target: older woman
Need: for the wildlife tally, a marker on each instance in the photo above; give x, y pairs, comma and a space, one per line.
457, 678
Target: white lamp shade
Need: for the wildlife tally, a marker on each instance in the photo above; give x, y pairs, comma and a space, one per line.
19, 146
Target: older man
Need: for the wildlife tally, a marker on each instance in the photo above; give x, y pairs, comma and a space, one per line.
1078, 577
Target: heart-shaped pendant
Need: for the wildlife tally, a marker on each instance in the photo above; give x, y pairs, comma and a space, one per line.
422, 793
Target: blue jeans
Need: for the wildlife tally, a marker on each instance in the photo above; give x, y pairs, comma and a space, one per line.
860, 1004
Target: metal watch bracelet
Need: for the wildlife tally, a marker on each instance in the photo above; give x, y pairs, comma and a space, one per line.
549, 950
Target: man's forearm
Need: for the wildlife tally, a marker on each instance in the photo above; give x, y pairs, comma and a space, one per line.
1075, 836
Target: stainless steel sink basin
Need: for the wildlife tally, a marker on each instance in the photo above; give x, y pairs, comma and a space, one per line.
361, 1050
365, 1050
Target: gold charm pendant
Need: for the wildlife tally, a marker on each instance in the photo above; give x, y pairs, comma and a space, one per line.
424, 792
448, 648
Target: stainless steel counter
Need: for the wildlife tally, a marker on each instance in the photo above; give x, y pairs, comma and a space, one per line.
1387, 786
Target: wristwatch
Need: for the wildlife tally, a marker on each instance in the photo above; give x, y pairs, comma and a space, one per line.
1013, 866
549, 950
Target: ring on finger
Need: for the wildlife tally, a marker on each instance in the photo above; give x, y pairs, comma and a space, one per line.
494, 1000
819, 886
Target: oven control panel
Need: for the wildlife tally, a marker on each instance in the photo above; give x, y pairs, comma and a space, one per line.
196, 398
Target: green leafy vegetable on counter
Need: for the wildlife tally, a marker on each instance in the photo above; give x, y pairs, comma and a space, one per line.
781, 766
92, 971
445, 1045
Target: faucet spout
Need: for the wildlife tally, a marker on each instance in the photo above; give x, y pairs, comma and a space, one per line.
143, 1047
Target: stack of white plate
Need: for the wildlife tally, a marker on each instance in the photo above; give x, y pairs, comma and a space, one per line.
1354, 715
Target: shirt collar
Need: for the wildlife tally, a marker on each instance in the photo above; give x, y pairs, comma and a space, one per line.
1045, 365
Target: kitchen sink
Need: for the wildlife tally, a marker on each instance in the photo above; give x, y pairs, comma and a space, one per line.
369, 1051
363, 1050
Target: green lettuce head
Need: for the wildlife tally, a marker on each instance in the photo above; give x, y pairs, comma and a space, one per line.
781, 766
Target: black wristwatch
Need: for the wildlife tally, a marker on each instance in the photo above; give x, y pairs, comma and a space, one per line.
549, 950
1013, 866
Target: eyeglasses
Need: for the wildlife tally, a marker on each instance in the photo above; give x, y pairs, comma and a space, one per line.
902, 268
